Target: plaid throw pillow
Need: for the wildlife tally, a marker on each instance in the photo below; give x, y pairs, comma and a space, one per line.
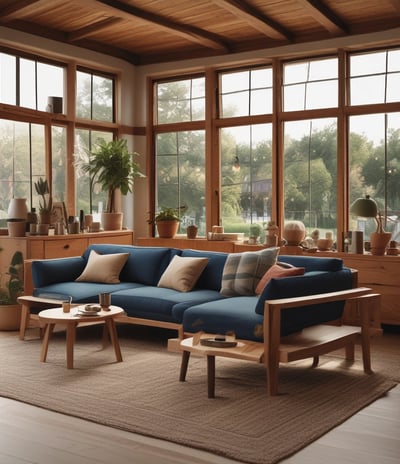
243, 271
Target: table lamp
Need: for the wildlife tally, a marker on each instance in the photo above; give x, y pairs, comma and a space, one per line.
364, 207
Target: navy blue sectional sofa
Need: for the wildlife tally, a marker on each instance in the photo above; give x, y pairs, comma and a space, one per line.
203, 308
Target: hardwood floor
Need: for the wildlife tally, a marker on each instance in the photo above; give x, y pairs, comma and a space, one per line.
30, 435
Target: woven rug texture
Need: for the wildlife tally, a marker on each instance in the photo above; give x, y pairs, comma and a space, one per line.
143, 394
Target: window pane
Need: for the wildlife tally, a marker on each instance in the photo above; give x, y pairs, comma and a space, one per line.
375, 77
181, 176
246, 93
310, 178
102, 99
181, 101
91, 200
83, 95
367, 90
310, 85
375, 168
8, 80
27, 87
59, 163
21, 153
94, 97
50, 83
246, 176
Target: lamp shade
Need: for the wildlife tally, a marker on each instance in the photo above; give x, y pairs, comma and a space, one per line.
364, 207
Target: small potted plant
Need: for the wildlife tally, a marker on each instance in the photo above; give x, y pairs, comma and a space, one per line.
11, 287
113, 167
254, 233
46, 202
167, 222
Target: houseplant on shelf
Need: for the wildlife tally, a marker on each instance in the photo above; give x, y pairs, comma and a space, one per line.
167, 222
112, 166
46, 202
11, 287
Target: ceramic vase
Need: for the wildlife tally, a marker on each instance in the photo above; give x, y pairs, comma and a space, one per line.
294, 233
17, 209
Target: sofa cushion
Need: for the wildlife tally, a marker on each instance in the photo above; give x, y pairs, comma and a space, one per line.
235, 315
243, 271
145, 265
81, 292
211, 277
161, 304
103, 268
277, 271
182, 273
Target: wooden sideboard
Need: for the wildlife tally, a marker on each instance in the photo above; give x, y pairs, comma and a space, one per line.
55, 246
381, 273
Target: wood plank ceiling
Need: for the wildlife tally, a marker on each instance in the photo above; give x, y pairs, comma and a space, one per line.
152, 31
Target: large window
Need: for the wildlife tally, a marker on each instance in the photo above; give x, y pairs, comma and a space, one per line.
29, 150
310, 173
374, 140
180, 154
246, 176
275, 153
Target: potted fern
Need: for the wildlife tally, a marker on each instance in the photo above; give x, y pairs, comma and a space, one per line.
113, 167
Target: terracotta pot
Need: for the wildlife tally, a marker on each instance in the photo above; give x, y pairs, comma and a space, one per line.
379, 242
191, 231
45, 217
10, 317
167, 229
16, 227
112, 221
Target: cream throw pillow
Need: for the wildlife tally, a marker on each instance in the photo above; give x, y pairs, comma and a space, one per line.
104, 269
182, 273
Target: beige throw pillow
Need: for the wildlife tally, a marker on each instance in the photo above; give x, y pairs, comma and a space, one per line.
182, 273
103, 269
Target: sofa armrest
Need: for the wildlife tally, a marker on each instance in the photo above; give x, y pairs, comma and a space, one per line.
273, 311
333, 338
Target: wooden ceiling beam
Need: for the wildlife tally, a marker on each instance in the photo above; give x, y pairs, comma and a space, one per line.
255, 19
194, 34
396, 5
15, 10
93, 29
326, 17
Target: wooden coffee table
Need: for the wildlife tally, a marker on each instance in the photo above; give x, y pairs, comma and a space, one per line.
245, 350
51, 317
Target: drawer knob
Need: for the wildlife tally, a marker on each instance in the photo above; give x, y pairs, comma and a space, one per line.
66, 247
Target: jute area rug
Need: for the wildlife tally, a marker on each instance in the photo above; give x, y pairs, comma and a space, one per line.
143, 394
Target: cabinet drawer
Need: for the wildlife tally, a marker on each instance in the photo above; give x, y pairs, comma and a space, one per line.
64, 247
